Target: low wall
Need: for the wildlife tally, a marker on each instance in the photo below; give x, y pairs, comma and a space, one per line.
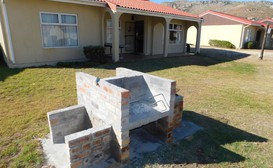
86, 148
66, 121
106, 103
178, 111
155, 84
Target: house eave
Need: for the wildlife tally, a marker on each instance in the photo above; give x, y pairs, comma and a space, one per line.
156, 14
83, 2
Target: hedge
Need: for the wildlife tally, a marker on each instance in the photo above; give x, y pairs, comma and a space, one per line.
221, 43
95, 53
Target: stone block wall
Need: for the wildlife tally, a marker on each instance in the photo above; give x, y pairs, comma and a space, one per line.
163, 128
161, 86
89, 147
178, 111
135, 84
66, 121
106, 103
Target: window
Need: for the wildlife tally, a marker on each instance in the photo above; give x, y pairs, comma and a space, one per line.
109, 31
175, 31
59, 30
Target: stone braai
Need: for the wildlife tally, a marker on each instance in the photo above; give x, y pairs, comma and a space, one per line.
99, 126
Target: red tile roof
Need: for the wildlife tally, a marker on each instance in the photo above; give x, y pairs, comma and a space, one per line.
231, 17
148, 6
266, 20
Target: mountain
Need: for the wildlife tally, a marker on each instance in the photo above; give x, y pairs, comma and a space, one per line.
251, 10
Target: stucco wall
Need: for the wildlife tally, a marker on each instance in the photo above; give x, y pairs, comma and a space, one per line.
2, 34
231, 33
158, 39
24, 19
178, 48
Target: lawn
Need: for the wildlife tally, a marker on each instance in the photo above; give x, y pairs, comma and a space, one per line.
232, 100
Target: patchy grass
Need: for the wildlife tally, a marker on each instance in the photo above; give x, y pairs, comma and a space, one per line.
238, 67
232, 100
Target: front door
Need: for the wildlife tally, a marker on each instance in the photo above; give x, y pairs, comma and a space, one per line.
139, 30
258, 35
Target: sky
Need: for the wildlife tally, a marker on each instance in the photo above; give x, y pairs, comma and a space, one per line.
159, 1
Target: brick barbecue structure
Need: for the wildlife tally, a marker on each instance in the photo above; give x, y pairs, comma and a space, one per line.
108, 109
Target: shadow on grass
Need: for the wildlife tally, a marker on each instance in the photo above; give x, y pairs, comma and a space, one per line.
205, 146
206, 59
5, 72
209, 57
227, 55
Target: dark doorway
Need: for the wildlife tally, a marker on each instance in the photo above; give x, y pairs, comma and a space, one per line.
139, 29
258, 35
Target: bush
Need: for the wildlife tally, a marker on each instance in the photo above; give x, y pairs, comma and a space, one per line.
221, 43
95, 53
252, 45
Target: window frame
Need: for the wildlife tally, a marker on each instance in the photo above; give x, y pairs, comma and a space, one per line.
111, 30
180, 30
59, 24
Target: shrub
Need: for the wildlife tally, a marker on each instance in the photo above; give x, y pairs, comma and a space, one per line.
95, 53
221, 43
252, 45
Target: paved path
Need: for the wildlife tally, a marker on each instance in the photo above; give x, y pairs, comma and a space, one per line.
213, 51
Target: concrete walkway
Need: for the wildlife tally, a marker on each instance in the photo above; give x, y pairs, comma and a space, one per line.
255, 53
141, 142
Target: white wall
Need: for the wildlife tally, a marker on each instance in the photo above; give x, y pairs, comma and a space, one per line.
158, 39
2, 34
231, 33
25, 28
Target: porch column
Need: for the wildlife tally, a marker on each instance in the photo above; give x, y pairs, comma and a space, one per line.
197, 45
103, 27
115, 36
166, 38
267, 41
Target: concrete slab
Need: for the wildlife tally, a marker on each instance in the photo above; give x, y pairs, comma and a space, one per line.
142, 113
186, 129
141, 142
55, 154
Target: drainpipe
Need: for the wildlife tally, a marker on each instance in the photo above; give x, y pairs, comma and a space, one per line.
6, 23
242, 36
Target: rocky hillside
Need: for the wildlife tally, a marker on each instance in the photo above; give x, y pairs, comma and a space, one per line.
252, 10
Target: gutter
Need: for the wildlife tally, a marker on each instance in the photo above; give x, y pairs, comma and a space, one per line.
156, 14
7, 28
83, 2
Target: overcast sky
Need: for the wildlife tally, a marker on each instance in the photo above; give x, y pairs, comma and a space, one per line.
159, 1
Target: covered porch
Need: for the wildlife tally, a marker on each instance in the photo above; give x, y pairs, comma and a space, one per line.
130, 34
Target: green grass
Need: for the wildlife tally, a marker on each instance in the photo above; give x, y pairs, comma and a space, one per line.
232, 101
238, 67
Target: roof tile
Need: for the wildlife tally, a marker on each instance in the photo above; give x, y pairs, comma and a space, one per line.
149, 6
232, 17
